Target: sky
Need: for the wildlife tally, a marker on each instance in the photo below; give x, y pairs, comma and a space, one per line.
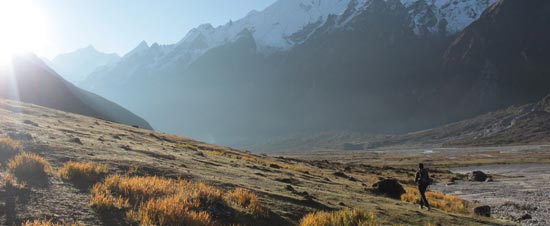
120, 25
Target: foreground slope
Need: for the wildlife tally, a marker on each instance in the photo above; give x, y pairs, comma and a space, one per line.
289, 187
29, 79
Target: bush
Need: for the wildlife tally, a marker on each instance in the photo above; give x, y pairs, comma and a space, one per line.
46, 223
8, 149
346, 217
246, 199
172, 210
159, 201
449, 203
30, 168
84, 174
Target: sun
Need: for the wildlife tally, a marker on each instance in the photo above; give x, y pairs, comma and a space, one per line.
22, 28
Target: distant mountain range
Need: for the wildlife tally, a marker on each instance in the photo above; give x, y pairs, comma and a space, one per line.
371, 66
29, 79
77, 65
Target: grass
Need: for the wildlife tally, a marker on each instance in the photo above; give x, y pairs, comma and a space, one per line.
47, 223
448, 203
30, 168
84, 173
246, 199
159, 201
8, 149
345, 217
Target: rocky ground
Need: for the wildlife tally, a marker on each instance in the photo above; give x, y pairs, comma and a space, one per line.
523, 192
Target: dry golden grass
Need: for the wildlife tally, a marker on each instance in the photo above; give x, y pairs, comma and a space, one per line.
47, 223
159, 201
346, 217
175, 209
8, 149
86, 172
246, 199
448, 203
30, 168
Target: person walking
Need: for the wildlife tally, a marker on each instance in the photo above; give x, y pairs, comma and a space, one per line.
422, 178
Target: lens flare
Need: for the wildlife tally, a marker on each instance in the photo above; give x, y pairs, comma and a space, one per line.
23, 28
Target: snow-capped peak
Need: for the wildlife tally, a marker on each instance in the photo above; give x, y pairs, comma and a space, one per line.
287, 23
271, 27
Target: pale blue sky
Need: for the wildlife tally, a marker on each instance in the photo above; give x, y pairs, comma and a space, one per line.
119, 25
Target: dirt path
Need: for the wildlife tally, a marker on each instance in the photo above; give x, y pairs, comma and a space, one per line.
527, 191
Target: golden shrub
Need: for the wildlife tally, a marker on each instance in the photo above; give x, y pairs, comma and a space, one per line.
246, 199
449, 203
172, 210
86, 172
30, 168
155, 200
8, 149
345, 217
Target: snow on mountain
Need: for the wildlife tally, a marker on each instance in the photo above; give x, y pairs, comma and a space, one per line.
77, 65
287, 23
454, 14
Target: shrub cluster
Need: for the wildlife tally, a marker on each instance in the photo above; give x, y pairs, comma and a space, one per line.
84, 173
160, 201
30, 168
449, 203
246, 199
345, 217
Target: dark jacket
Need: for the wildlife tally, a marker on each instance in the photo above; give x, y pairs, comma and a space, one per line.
422, 177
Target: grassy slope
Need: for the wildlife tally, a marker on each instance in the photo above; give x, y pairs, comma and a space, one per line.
120, 147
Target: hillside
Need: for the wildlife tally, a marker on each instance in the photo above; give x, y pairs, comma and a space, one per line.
515, 125
30, 80
289, 188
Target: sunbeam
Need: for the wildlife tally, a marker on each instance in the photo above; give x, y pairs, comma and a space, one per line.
23, 28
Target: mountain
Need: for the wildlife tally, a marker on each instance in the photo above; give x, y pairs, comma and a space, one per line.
501, 59
77, 65
297, 66
29, 79
515, 125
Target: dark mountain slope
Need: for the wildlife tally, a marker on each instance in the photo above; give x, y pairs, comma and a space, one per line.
501, 59
28, 79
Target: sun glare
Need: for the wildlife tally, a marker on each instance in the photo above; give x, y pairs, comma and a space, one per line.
22, 28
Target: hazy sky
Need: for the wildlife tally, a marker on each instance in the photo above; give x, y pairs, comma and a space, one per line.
119, 25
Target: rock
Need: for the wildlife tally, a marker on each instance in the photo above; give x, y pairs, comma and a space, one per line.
389, 187
274, 166
484, 211
478, 176
340, 174
76, 140
290, 188
29, 122
525, 217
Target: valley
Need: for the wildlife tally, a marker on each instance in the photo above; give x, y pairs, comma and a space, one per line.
289, 187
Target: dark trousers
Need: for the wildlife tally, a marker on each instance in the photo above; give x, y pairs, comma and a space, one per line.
422, 190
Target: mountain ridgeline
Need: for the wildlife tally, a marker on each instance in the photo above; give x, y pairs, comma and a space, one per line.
364, 65
28, 79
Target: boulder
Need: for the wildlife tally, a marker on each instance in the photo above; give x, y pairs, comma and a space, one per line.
526, 217
390, 187
478, 176
484, 211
